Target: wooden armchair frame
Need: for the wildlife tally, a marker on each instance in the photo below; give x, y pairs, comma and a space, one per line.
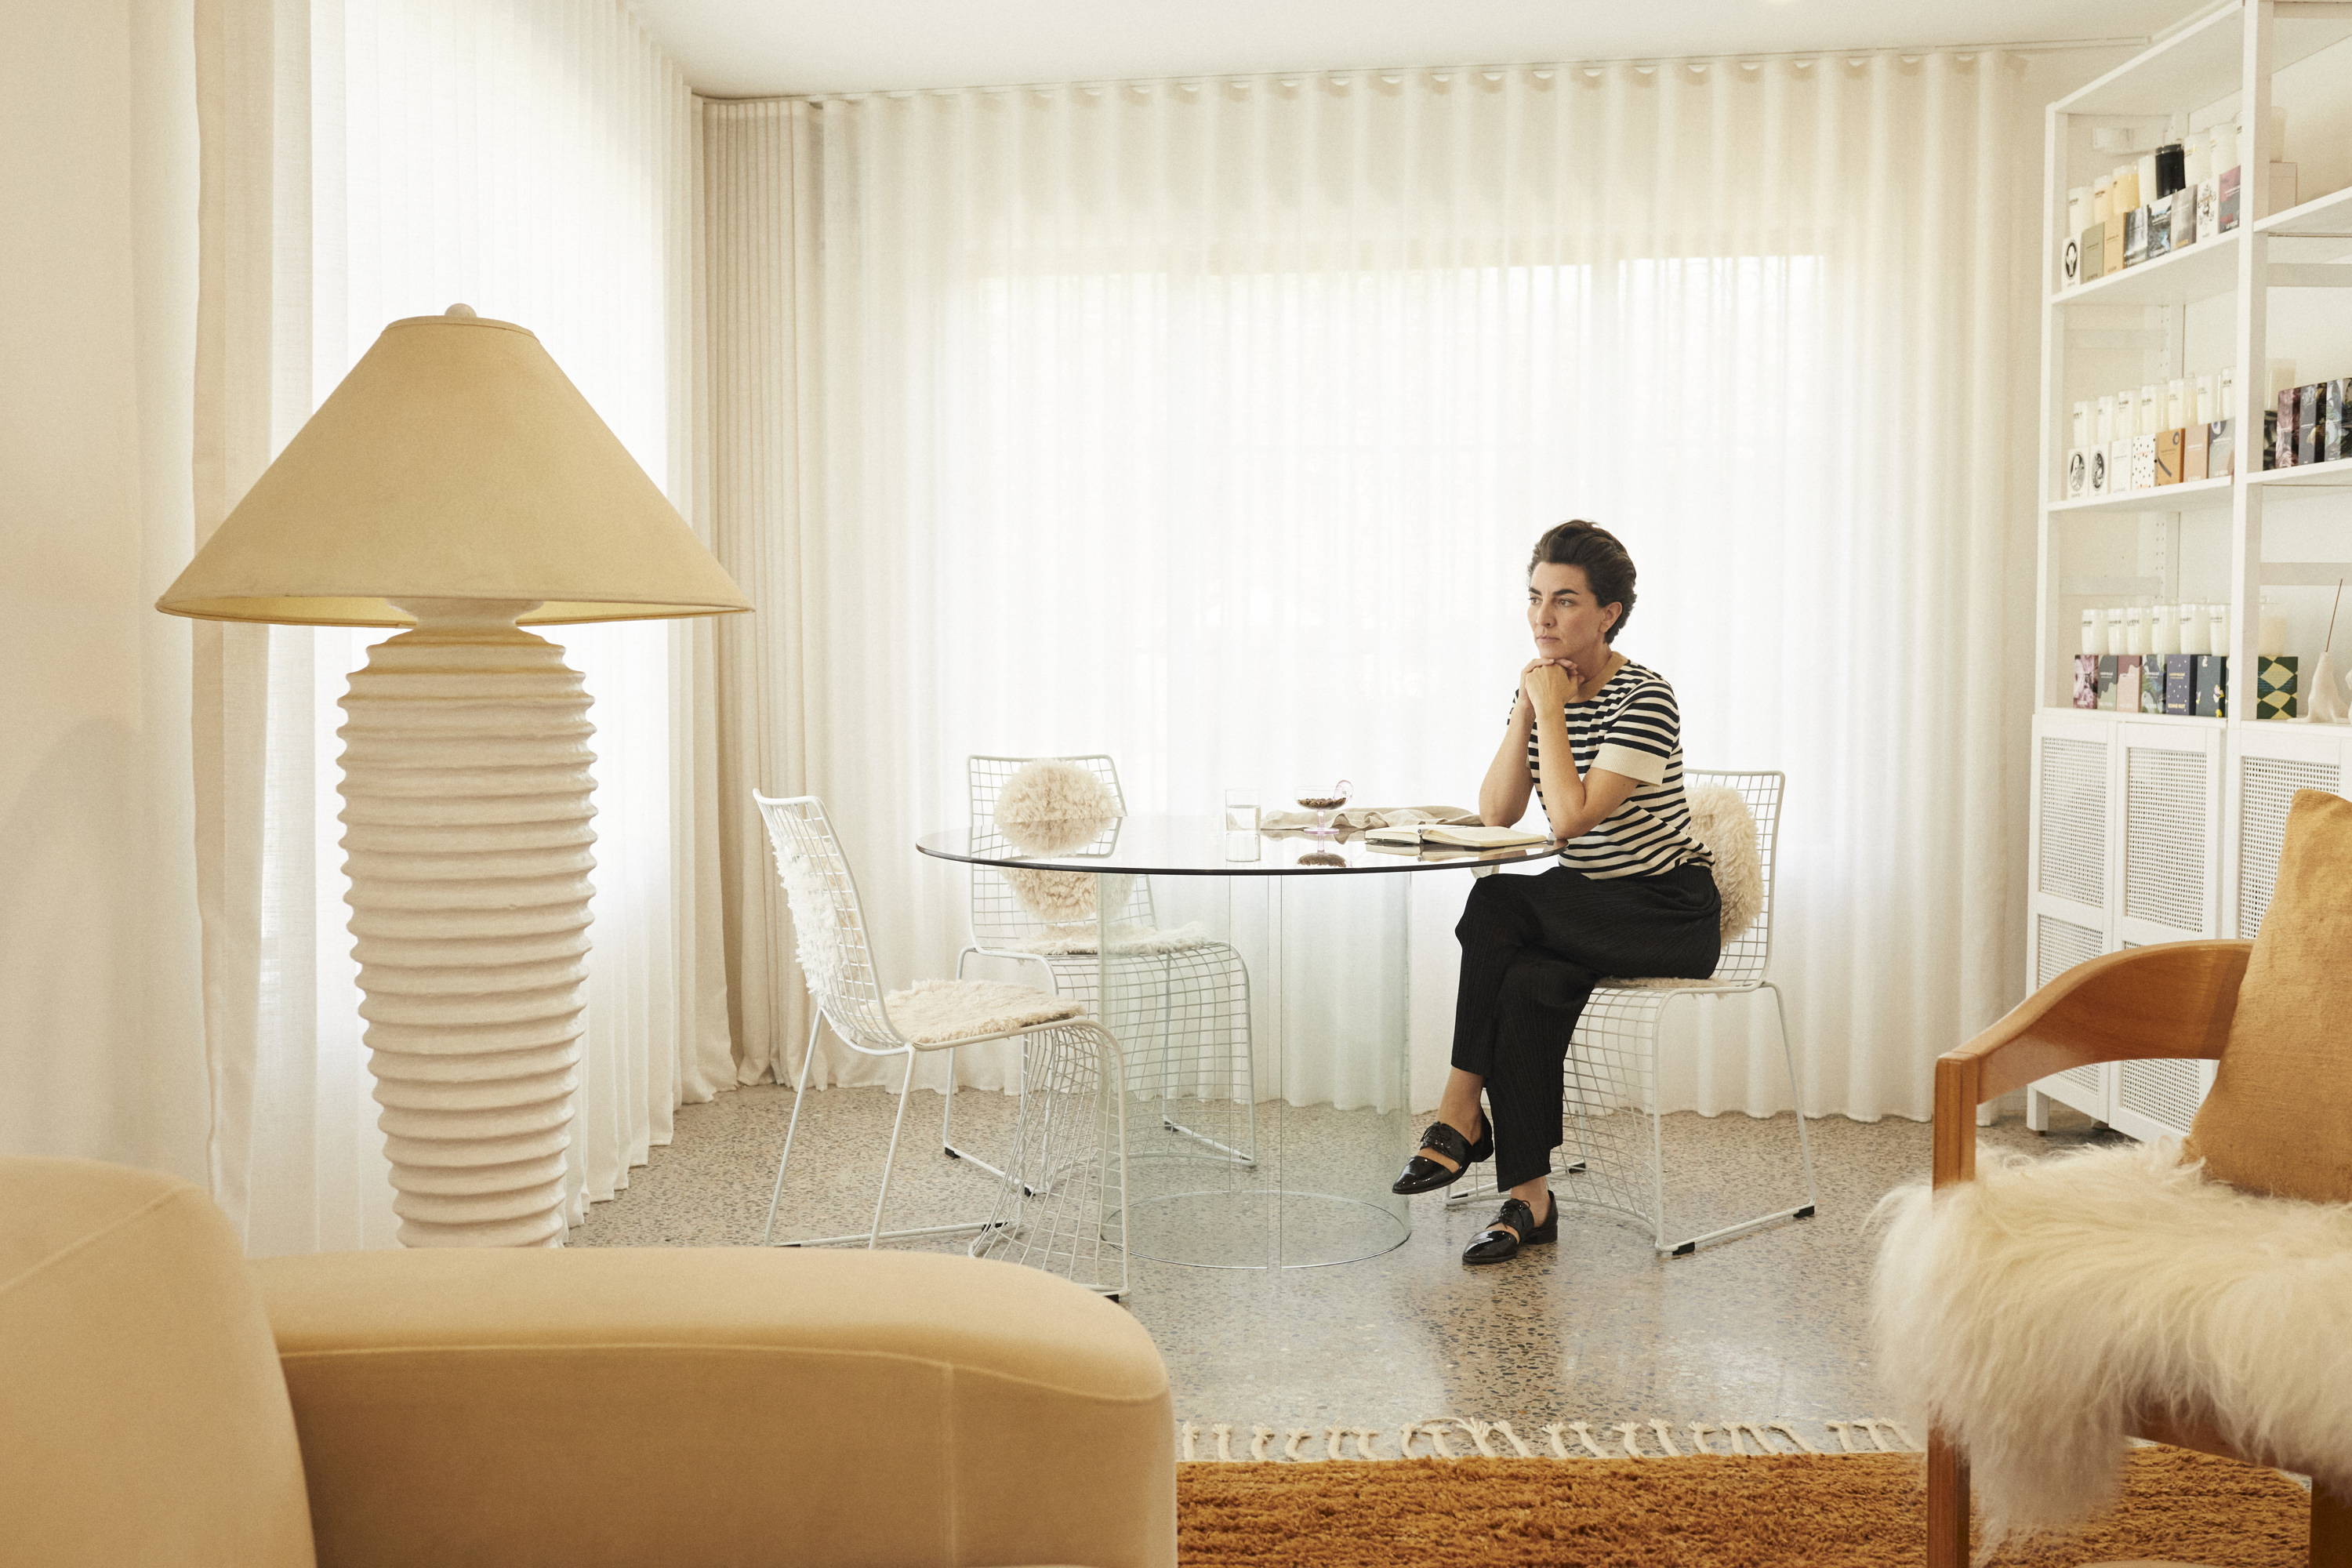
2171, 1001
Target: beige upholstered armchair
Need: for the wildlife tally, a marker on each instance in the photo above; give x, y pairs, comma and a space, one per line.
163, 1402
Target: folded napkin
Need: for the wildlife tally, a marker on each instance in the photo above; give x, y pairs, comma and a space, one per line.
1362, 817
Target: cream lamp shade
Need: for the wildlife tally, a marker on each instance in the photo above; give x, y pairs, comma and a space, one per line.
454, 463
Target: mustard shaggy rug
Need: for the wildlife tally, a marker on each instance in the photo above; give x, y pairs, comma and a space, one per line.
1796, 1511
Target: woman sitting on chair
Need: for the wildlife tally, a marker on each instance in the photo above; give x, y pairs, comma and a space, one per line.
1598, 739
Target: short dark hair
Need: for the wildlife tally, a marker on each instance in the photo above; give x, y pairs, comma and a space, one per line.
1606, 565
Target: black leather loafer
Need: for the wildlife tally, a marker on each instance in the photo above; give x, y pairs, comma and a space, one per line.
1424, 1174
1515, 1226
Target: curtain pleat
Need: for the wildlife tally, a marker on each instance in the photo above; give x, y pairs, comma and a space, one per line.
366, 160
1208, 423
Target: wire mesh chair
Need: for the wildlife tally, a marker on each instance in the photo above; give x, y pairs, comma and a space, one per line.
1613, 1064
1063, 1203
1180, 1003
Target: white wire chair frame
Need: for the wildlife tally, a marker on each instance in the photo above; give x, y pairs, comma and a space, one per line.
1063, 1204
1183, 1013
1612, 1071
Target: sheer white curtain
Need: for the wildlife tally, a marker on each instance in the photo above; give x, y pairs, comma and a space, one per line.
1209, 423
366, 160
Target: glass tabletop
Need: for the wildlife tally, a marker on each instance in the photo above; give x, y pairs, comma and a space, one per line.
1199, 846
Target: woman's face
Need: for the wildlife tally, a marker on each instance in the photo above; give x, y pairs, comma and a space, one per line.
1562, 614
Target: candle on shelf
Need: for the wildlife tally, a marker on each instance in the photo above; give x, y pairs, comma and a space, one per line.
2271, 628
2094, 640
2163, 630
2190, 620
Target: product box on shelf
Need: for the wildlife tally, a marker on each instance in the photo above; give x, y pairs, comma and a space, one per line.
2185, 232
2087, 681
2135, 236
2159, 227
2283, 445
2166, 463
2335, 430
2128, 683
2143, 463
2179, 683
2221, 450
2106, 677
2151, 684
2196, 452
2278, 686
2228, 199
2091, 253
2078, 472
2270, 440
2212, 700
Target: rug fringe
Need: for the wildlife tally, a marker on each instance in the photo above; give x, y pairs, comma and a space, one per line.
1443, 1438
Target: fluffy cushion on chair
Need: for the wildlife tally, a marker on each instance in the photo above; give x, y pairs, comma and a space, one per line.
934, 1012
2279, 1118
2036, 1312
1137, 944
1721, 821
1052, 805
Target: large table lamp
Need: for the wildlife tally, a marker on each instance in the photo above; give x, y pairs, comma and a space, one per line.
458, 485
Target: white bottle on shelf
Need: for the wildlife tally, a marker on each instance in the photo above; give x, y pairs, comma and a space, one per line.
2119, 448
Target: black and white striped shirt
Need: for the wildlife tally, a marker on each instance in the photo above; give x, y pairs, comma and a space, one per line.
1632, 726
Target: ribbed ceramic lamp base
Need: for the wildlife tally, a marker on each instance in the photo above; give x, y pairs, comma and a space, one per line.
465, 798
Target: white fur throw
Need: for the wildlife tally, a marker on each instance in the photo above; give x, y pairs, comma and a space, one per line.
2034, 1314
1721, 821
934, 1012
1052, 805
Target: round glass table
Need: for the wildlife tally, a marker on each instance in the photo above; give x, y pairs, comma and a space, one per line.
1259, 986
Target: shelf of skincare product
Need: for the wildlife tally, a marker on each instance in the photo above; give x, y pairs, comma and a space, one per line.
2155, 658
2178, 243
2183, 191
2305, 425
2152, 437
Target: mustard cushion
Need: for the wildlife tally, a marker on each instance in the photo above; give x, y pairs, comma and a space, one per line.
2279, 1120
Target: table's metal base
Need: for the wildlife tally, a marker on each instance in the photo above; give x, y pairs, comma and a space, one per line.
1261, 1229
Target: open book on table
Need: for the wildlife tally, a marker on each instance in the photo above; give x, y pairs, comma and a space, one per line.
1454, 836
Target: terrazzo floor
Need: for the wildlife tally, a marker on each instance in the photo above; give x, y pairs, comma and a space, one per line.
1766, 1327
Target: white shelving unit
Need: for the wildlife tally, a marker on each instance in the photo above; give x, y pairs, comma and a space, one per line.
2149, 828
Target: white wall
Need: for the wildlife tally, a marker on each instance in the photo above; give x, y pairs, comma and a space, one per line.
100, 1052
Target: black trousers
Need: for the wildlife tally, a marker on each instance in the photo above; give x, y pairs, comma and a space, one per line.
1532, 950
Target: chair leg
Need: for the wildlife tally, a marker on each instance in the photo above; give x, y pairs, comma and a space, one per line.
1796, 1104
799, 1097
1656, 1096
1947, 1503
2331, 1527
890, 1160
